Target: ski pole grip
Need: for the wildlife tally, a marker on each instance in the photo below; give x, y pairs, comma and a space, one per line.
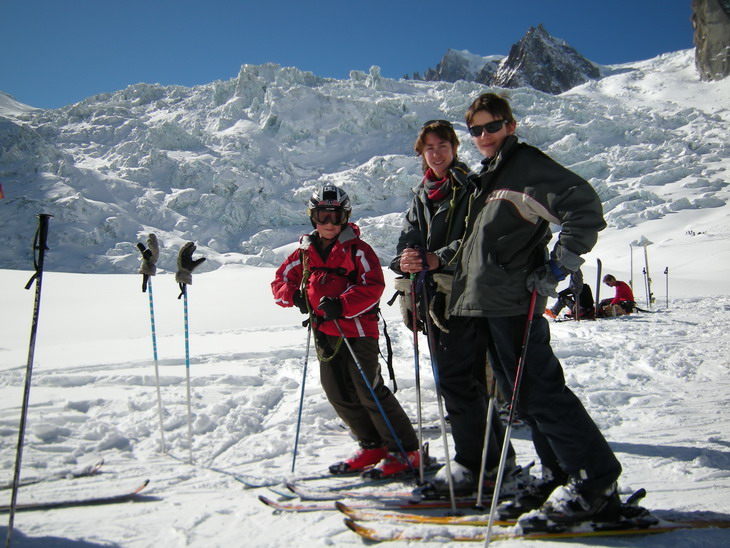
43, 219
39, 244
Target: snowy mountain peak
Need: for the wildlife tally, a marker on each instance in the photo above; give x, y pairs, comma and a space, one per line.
10, 107
462, 65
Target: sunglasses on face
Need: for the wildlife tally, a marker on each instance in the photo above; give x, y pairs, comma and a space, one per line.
437, 123
331, 216
491, 127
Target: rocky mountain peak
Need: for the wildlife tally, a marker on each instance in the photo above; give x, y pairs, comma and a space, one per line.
545, 63
711, 22
538, 60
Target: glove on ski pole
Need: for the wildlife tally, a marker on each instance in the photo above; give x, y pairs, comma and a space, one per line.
185, 266
150, 254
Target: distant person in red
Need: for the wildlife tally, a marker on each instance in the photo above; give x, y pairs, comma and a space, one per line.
624, 297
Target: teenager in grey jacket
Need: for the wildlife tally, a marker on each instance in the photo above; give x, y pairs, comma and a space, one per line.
503, 257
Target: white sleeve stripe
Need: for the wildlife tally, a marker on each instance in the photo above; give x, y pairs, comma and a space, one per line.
529, 209
360, 254
289, 267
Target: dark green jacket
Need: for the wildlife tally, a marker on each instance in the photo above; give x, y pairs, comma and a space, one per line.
438, 231
520, 193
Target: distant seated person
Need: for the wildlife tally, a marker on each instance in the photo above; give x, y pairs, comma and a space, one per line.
622, 302
567, 298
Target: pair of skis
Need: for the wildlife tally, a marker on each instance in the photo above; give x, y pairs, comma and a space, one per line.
402, 520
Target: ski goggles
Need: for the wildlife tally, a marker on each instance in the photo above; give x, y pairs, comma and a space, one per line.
331, 216
491, 127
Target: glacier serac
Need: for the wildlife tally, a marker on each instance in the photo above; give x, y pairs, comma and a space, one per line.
230, 164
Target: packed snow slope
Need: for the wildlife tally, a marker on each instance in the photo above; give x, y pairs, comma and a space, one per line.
656, 384
230, 164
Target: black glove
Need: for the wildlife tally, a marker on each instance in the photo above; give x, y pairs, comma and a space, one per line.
546, 278
150, 254
300, 302
186, 264
331, 306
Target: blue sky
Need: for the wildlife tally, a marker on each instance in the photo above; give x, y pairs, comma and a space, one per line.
57, 52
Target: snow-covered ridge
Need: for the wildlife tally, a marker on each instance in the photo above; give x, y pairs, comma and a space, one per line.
230, 164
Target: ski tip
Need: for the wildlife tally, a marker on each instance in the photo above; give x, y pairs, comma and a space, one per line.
266, 500
144, 484
636, 497
352, 525
342, 507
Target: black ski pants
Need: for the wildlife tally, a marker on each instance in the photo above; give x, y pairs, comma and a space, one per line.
566, 439
348, 393
461, 356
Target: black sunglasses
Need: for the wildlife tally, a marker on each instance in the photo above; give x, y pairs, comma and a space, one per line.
491, 127
437, 123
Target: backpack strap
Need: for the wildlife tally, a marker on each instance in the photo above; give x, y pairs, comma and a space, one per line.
389, 357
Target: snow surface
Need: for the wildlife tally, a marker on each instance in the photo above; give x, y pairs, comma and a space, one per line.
650, 137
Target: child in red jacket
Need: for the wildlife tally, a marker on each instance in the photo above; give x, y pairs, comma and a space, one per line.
336, 278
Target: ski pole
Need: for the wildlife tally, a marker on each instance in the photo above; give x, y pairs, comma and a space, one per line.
148, 269
666, 279
184, 277
374, 395
510, 418
301, 397
157, 371
631, 277
437, 382
485, 446
414, 313
187, 373
40, 246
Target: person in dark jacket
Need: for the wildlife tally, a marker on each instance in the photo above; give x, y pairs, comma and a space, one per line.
432, 229
502, 259
335, 276
578, 292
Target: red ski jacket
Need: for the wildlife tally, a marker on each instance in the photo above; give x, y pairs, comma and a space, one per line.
351, 272
623, 293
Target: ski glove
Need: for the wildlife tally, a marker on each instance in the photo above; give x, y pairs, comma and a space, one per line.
545, 279
186, 264
300, 302
150, 254
332, 308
